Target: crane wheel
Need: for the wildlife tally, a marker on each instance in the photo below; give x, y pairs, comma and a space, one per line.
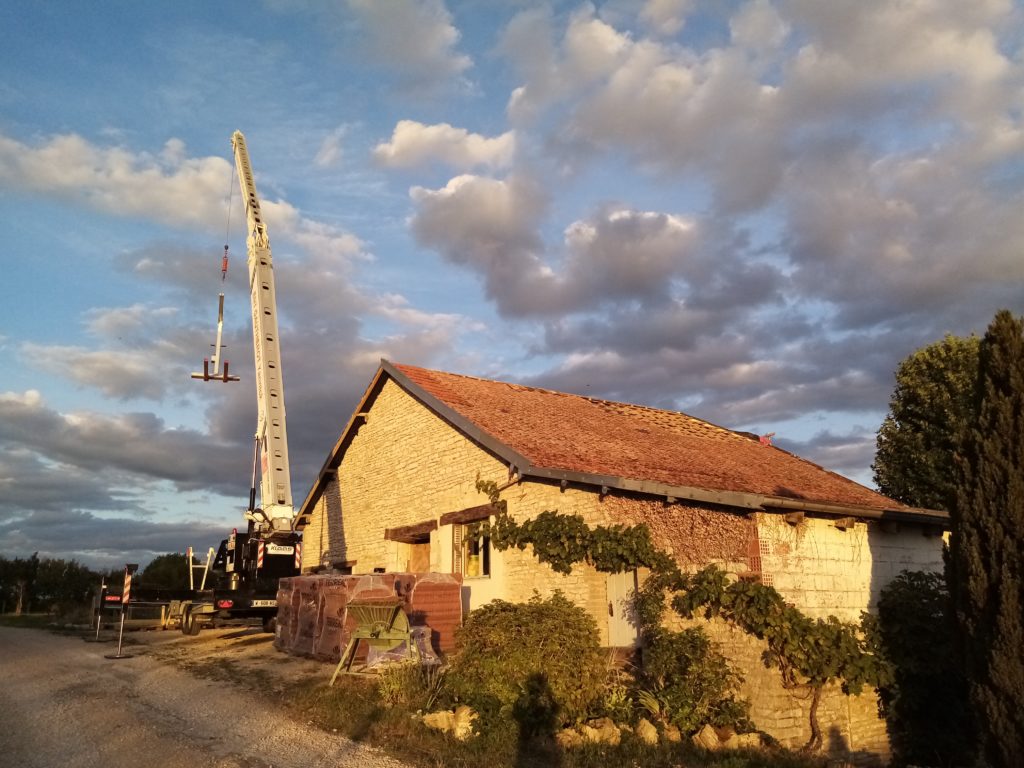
189, 624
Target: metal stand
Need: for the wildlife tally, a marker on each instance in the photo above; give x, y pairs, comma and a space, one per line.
120, 637
99, 615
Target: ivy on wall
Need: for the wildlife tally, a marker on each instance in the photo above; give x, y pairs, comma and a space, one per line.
808, 653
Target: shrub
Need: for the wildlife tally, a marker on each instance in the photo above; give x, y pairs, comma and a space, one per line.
688, 682
538, 662
926, 702
411, 685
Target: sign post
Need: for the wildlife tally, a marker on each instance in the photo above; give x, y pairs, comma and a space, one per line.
126, 595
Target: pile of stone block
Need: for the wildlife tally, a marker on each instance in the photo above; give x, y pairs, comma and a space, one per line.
313, 618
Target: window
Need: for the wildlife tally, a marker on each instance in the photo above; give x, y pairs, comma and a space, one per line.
472, 550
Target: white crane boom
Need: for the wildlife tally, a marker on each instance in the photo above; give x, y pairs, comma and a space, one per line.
271, 431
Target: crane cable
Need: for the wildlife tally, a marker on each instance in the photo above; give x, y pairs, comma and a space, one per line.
227, 227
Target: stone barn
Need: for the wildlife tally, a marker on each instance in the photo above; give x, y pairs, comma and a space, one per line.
398, 494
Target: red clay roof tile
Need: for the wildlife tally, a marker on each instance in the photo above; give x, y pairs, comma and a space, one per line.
555, 430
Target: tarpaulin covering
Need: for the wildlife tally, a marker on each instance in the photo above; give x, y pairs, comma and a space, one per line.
313, 617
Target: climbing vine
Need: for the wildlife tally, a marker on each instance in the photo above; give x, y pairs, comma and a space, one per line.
562, 541
808, 653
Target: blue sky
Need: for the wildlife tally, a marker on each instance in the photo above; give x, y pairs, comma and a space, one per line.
751, 211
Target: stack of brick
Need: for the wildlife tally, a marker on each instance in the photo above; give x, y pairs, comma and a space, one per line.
313, 618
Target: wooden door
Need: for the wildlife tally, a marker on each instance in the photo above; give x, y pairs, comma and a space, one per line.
622, 624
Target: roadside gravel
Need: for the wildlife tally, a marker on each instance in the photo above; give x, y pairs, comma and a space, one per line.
177, 703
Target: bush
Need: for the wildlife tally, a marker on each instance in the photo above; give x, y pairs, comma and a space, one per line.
537, 662
410, 685
688, 682
926, 703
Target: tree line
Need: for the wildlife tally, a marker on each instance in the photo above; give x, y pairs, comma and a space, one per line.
954, 440
41, 585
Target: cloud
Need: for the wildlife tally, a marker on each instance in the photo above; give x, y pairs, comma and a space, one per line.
167, 187
848, 454
126, 444
330, 152
491, 227
414, 39
103, 542
414, 144
665, 17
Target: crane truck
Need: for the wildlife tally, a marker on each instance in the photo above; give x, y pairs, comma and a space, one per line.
249, 563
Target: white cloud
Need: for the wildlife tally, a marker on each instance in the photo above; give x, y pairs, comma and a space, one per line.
169, 188
665, 17
491, 227
330, 152
758, 27
415, 39
414, 144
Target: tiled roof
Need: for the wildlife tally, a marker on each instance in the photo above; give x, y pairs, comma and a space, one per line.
559, 431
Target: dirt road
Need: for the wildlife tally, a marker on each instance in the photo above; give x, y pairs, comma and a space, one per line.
64, 704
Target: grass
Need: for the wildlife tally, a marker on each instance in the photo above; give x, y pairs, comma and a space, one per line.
26, 620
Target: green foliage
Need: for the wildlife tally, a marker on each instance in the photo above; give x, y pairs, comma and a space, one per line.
987, 544
543, 653
688, 682
168, 571
414, 686
926, 701
929, 407
806, 651
49, 584
562, 541
616, 699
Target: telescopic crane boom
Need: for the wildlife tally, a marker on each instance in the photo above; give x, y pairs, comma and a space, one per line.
271, 430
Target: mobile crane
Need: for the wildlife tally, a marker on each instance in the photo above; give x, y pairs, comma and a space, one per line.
270, 548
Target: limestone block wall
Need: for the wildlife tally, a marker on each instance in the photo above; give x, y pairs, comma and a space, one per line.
407, 466
850, 725
825, 570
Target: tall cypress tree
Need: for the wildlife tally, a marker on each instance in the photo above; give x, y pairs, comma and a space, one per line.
987, 546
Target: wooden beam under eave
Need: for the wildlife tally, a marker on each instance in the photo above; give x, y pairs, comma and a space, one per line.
794, 518
410, 534
845, 523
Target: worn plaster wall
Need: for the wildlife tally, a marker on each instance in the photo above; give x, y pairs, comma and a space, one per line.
825, 570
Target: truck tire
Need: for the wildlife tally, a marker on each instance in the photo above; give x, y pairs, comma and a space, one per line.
270, 624
190, 624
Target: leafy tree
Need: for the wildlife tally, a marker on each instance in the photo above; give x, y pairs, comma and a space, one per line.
170, 571
63, 584
23, 581
928, 409
925, 701
987, 545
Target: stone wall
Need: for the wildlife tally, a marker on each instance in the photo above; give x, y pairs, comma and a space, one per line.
407, 466
850, 726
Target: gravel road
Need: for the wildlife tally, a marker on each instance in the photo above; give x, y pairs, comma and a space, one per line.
65, 705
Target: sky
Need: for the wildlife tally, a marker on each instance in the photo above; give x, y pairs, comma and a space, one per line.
749, 211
